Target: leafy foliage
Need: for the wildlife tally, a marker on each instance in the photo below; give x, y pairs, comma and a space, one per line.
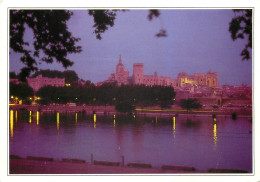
51, 36
12, 75
190, 104
102, 20
108, 94
125, 106
69, 75
240, 27
22, 91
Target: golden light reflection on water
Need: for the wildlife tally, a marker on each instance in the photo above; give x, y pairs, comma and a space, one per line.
76, 118
37, 117
95, 120
30, 117
173, 125
58, 121
11, 123
16, 117
114, 123
215, 137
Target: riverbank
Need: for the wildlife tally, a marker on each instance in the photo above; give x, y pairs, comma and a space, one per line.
25, 166
173, 110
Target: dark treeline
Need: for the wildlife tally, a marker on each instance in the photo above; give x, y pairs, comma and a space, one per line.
108, 94
69, 75
21, 91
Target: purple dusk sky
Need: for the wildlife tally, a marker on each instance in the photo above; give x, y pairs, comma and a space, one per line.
198, 41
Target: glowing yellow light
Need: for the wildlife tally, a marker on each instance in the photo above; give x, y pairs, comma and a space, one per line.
95, 120
173, 124
95, 117
76, 117
16, 117
114, 123
215, 119
37, 117
11, 123
30, 98
58, 121
12, 97
30, 117
215, 137
114, 116
134, 115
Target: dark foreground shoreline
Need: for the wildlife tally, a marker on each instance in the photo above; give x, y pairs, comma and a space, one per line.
34, 166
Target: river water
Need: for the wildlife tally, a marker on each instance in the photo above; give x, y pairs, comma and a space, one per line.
198, 141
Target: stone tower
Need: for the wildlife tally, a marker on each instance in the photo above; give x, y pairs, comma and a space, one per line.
122, 74
138, 73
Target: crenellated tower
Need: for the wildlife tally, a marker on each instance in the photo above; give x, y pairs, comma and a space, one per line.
138, 73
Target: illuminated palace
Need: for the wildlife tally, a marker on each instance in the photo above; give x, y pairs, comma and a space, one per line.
121, 76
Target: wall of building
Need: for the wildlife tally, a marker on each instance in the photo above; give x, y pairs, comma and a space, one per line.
40, 81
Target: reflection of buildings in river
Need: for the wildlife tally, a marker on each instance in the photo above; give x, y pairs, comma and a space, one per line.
119, 135
11, 123
191, 123
137, 135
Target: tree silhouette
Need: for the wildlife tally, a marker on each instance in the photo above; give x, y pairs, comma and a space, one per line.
51, 35
190, 104
240, 27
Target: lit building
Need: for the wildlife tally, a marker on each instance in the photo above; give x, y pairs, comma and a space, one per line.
121, 76
40, 81
209, 79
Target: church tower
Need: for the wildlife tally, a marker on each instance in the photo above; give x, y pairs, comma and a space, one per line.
122, 74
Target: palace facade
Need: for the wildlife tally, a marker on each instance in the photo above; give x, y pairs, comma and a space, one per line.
121, 76
40, 81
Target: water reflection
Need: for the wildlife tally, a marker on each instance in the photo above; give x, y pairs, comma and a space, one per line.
16, 118
11, 123
173, 126
136, 138
114, 120
191, 123
215, 137
58, 121
30, 117
37, 117
95, 120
